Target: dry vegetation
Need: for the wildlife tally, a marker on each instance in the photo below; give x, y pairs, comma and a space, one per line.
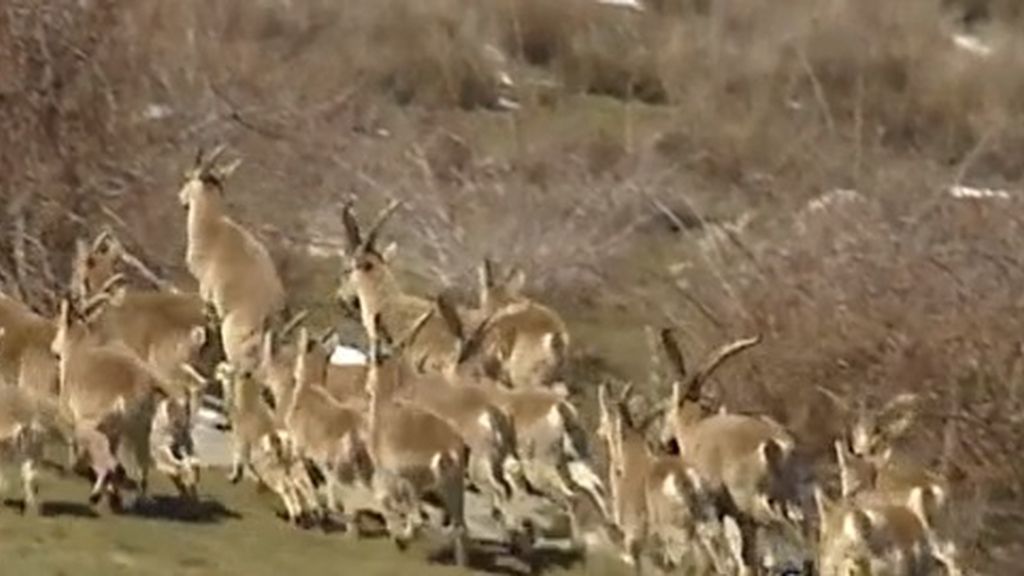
722, 166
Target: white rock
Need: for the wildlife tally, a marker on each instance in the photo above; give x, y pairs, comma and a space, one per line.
630, 4
348, 356
986, 193
972, 44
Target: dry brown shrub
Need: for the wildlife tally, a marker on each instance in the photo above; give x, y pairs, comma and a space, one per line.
761, 109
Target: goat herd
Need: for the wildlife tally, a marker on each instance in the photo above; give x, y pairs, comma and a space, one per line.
450, 400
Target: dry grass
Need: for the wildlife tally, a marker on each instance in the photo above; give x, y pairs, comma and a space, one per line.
668, 167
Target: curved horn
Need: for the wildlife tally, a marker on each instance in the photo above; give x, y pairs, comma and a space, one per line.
627, 391
472, 344
101, 238
486, 273
673, 352
211, 161
414, 331
291, 324
692, 388
325, 338
353, 239
651, 417
451, 318
199, 158
843, 405
371, 236
115, 281
903, 401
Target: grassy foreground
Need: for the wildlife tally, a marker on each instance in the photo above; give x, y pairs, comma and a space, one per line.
234, 530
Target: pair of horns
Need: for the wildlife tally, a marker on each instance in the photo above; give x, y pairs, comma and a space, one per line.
468, 344
86, 308
206, 166
356, 242
383, 336
487, 273
692, 383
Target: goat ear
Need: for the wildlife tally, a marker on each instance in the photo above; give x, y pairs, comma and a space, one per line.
602, 399
389, 252
677, 395
222, 173
303, 342
198, 336
561, 389
856, 525
904, 408
846, 484
772, 455
118, 295
823, 504
516, 282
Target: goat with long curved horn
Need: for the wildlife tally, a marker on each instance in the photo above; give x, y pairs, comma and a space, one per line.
370, 241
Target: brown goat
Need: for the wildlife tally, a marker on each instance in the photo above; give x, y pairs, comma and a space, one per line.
234, 269
748, 458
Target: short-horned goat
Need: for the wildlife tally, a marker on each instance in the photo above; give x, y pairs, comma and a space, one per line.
872, 471
165, 329
326, 431
864, 537
25, 359
234, 269
657, 502
527, 341
551, 441
27, 420
261, 446
415, 453
112, 398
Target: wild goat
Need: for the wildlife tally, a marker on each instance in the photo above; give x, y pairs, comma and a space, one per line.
494, 466
25, 359
234, 269
414, 452
112, 398
369, 283
325, 431
27, 420
277, 368
258, 444
550, 439
167, 330
657, 501
869, 537
750, 459
529, 343
872, 471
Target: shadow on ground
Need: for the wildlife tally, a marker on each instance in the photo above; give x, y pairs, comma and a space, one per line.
54, 509
173, 508
497, 558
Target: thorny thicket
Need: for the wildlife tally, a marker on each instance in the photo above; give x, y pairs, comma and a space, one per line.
726, 167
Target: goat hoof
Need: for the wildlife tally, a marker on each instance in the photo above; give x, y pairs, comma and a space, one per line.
95, 497
401, 543
115, 503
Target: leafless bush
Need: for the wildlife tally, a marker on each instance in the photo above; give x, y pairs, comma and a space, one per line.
738, 124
